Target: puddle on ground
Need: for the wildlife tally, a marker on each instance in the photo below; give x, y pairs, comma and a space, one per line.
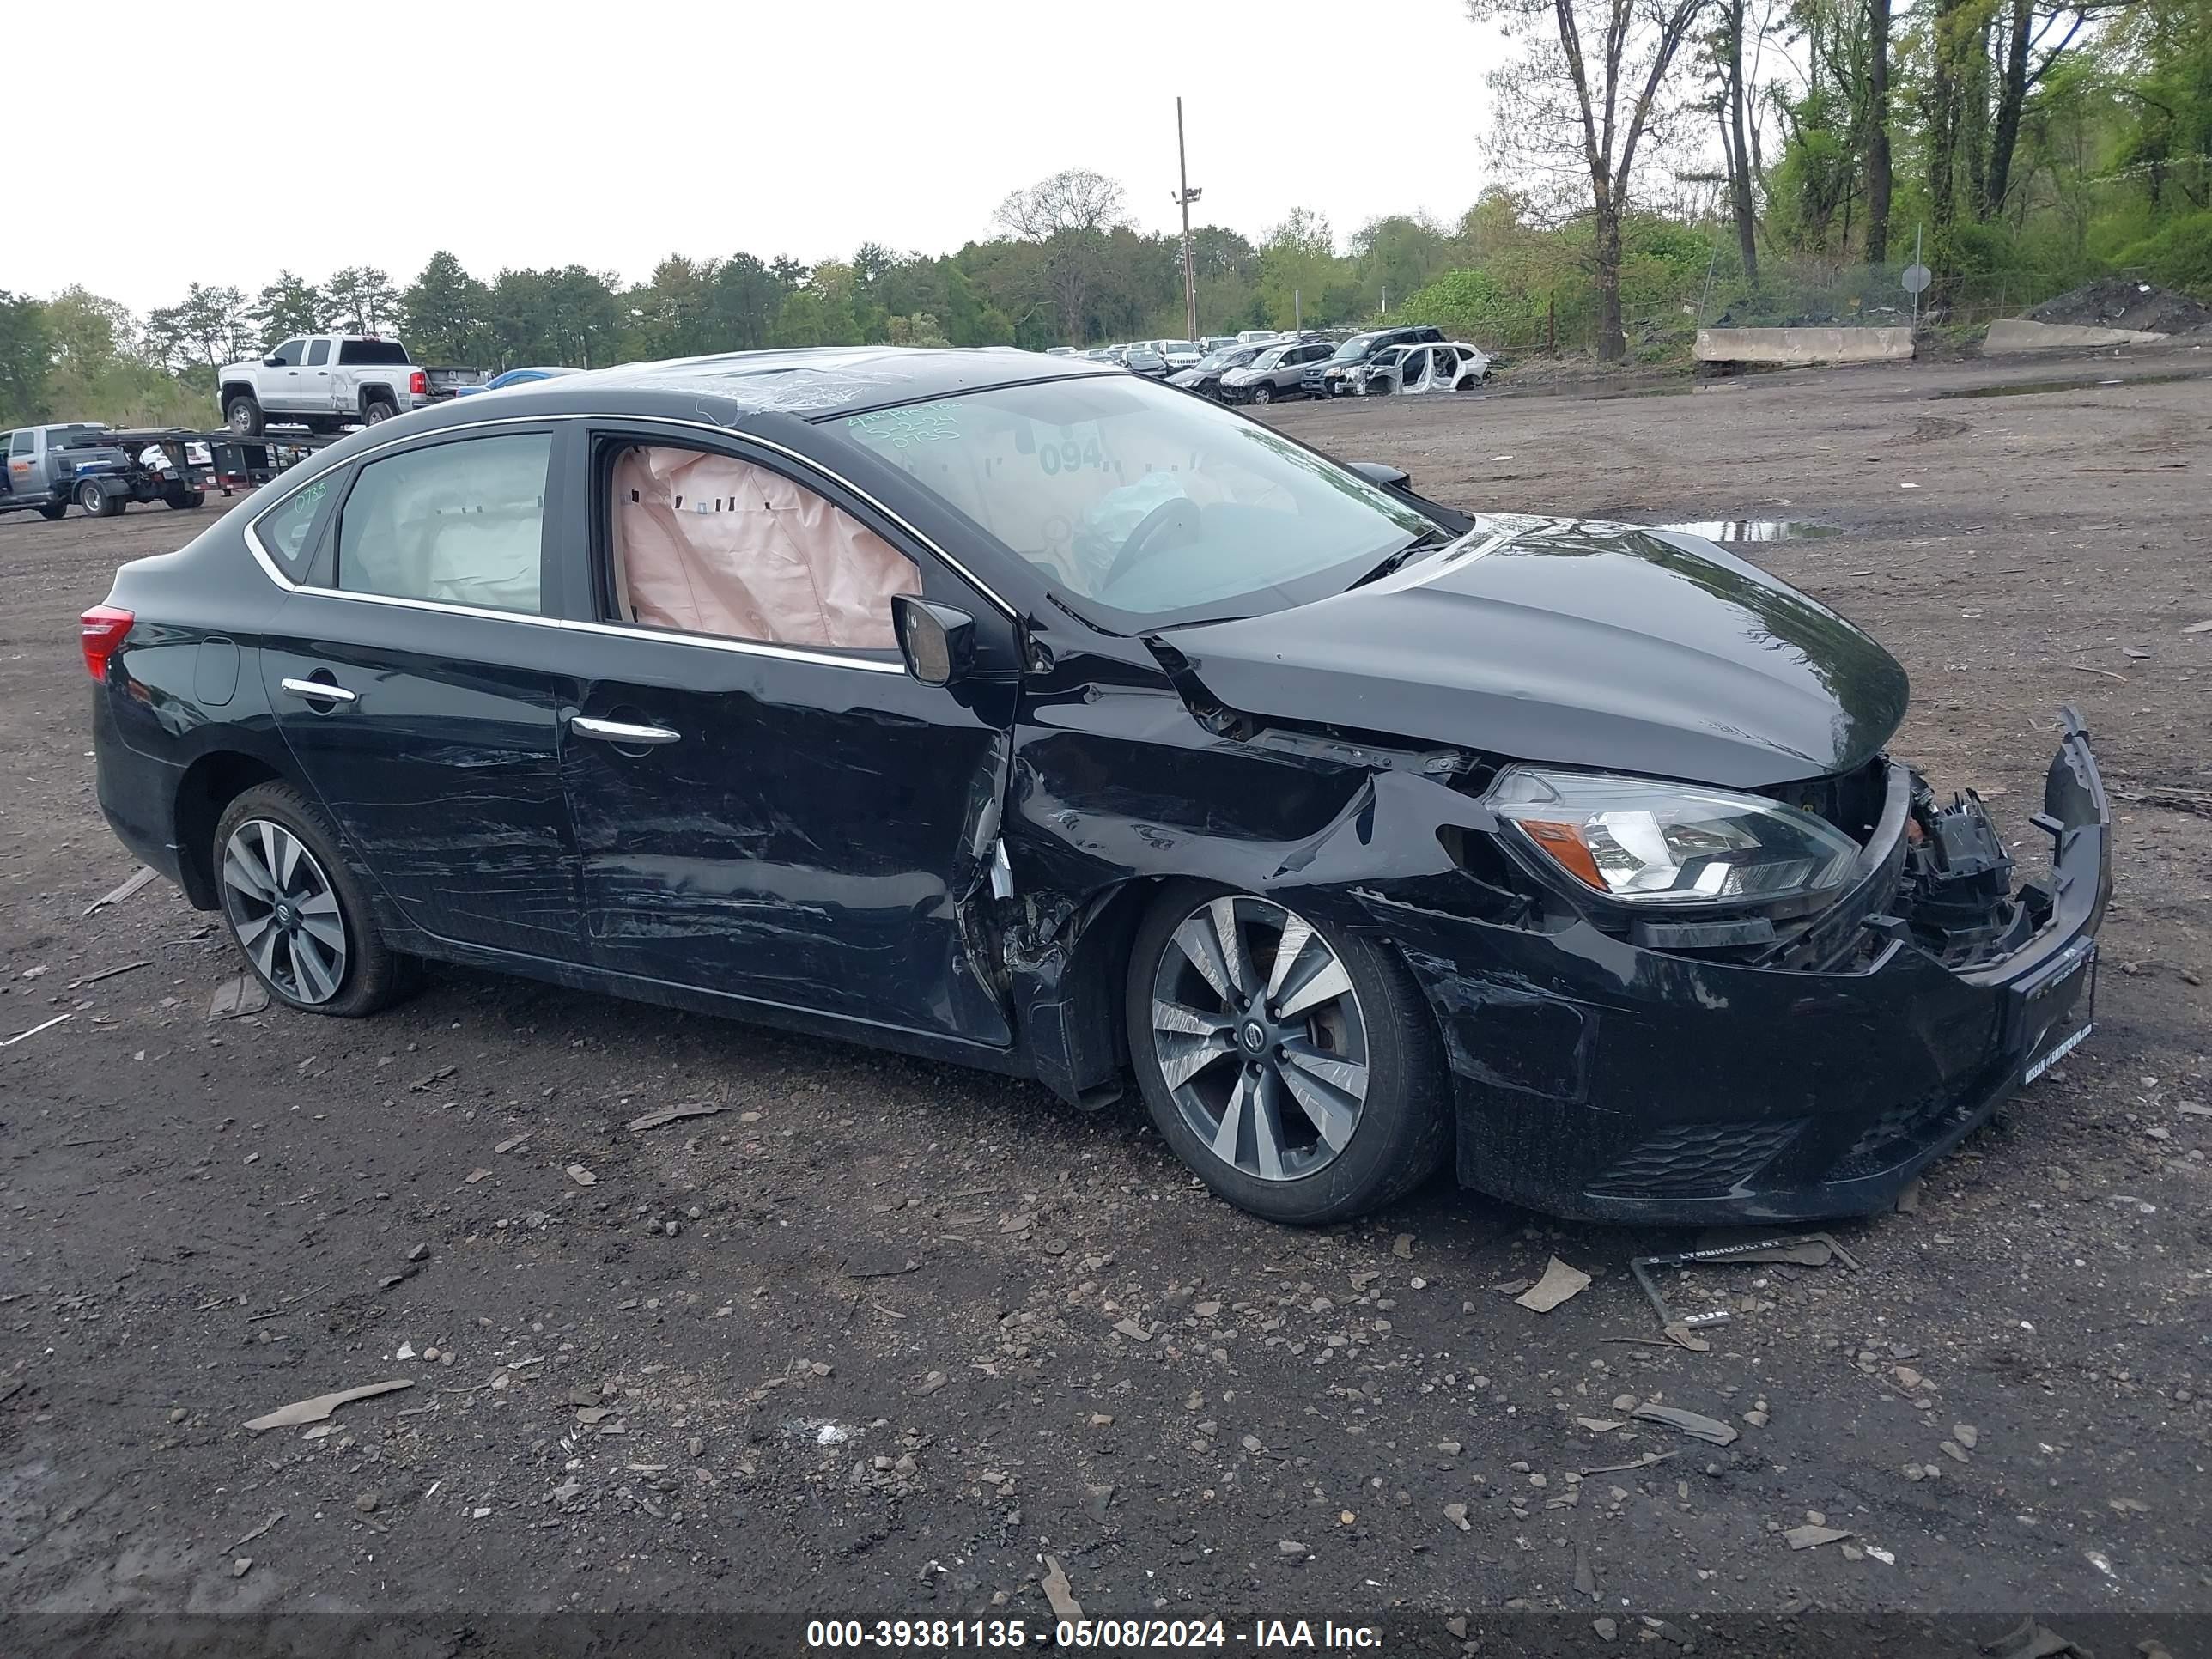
1753, 530
2029, 388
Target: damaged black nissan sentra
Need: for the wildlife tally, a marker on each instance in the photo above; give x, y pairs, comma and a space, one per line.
1021, 713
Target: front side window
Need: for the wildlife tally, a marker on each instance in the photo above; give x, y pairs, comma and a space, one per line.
19, 443
288, 354
457, 523
283, 531
1133, 499
701, 542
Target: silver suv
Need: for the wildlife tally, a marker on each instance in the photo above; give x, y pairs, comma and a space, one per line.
1275, 372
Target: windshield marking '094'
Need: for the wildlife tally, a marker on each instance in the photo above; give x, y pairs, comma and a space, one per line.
1138, 500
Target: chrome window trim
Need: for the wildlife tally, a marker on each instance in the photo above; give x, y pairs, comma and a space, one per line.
270, 568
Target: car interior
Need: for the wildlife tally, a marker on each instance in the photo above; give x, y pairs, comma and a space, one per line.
707, 544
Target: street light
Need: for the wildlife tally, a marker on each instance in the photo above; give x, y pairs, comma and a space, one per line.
1183, 198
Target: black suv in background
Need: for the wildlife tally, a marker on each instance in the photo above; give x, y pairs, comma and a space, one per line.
1327, 379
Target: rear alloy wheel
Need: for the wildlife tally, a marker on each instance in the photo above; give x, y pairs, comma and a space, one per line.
96, 502
1296, 1070
378, 409
294, 910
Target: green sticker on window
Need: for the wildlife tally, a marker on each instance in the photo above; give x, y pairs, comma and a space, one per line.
901, 428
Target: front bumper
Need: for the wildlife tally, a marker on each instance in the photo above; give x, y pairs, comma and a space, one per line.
1597, 1079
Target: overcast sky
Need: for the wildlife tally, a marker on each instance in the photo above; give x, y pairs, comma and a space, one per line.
611, 134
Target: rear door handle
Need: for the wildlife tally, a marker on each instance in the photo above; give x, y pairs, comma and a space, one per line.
320, 691
622, 731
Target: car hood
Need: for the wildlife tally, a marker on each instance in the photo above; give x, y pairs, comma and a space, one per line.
1185, 377
1575, 643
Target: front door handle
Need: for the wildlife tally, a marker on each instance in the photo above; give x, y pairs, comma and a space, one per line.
319, 691
622, 731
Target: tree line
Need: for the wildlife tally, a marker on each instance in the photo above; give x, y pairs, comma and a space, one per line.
1670, 161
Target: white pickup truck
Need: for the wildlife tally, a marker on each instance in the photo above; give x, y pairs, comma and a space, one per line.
326, 381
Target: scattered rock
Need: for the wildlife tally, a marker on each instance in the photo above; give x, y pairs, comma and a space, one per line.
1456, 1514
1967, 1435
932, 1383
366, 1502
1291, 1546
316, 1409
1705, 1428
242, 1566
582, 1176
1605, 1629
1059, 1593
1811, 1537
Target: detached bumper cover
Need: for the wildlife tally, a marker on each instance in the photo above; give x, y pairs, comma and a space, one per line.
1594, 1078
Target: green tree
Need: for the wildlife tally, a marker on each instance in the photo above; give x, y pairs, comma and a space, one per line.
289, 306
361, 298
25, 360
446, 313
1582, 102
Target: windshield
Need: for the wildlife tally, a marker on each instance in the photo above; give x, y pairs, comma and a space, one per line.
1355, 348
1143, 502
1229, 358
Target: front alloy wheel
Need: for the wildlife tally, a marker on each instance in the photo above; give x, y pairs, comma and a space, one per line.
1298, 1073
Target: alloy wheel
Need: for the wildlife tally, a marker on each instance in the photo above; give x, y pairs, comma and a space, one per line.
279, 905
1260, 1037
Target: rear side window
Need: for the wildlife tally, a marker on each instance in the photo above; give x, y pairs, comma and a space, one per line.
458, 522
319, 351
283, 531
351, 352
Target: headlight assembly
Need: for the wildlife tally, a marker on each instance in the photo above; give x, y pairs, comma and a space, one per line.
1644, 841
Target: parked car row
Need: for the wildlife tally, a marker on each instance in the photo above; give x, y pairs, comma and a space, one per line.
1379, 362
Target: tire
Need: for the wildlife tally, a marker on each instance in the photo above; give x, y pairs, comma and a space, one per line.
1263, 393
343, 969
95, 503
54, 512
1383, 1137
185, 500
242, 415
376, 409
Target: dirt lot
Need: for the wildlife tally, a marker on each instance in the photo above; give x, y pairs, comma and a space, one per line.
881, 1334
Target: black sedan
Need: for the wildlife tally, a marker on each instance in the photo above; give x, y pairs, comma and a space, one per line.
1012, 711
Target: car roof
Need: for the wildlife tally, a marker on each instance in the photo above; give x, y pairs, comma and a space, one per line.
818, 383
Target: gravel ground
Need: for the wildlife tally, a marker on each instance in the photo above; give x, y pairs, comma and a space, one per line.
877, 1337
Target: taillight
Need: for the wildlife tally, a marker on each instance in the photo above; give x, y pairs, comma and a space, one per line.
418, 383
102, 630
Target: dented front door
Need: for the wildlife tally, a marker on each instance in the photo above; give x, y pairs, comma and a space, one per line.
806, 831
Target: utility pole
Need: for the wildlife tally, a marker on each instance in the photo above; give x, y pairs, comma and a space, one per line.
1184, 197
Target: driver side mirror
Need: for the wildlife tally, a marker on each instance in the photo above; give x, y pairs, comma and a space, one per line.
1390, 477
272, 363
937, 641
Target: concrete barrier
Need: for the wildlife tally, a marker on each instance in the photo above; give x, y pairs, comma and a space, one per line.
2009, 334
1803, 345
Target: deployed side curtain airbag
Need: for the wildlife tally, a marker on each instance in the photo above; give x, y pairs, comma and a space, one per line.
710, 545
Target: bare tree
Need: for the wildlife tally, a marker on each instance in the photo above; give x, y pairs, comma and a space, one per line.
1582, 105
1075, 199
1068, 217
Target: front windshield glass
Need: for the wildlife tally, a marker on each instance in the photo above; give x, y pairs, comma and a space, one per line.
1131, 498
1354, 348
1229, 357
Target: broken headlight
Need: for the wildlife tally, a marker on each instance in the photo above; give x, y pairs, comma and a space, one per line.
1646, 841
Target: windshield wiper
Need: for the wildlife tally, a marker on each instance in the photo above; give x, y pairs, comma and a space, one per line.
1428, 541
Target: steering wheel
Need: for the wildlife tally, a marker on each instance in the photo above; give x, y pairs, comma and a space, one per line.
1174, 523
